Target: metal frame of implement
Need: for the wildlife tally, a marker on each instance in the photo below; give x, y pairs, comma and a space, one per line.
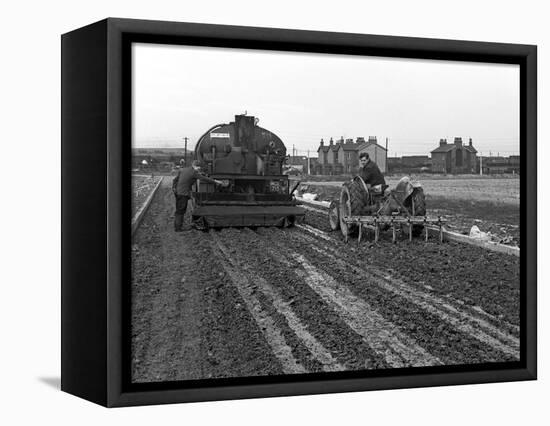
376, 221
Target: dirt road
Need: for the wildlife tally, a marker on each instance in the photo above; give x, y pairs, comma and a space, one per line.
242, 302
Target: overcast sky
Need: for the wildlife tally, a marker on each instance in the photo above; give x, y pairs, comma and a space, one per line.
182, 91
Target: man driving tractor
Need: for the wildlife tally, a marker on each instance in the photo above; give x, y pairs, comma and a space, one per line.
369, 171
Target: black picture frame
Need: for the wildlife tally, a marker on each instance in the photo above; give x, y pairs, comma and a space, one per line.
96, 117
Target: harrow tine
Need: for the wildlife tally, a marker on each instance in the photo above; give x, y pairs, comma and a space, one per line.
360, 233
440, 230
410, 231
426, 228
393, 231
376, 230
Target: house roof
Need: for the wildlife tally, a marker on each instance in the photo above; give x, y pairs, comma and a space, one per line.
369, 143
327, 148
450, 146
444, 148
350, 146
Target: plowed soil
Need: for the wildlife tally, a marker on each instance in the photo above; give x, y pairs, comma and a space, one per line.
243, 302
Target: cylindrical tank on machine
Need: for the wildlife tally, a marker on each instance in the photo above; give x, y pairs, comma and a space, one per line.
241, 147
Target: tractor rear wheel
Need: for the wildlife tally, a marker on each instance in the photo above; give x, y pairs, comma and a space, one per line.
353, 198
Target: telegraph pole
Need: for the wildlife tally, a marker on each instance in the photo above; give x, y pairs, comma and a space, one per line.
481, 164
185, 154
308, 171
386, 165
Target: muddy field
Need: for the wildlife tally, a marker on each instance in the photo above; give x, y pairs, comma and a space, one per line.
491, 204
242, 302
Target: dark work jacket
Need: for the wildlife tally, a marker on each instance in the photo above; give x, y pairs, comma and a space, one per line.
371, 174
184, 180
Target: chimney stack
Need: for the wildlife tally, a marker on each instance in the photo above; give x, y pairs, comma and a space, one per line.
458, 141
322, 142
442, 142
331, 142
470, 141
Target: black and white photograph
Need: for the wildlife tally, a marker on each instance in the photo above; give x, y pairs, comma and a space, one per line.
277, 213
301, 213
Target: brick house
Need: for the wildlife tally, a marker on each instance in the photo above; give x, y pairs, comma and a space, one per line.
327, 154
342, 157
454, 158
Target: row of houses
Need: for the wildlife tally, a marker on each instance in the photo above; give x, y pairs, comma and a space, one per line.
456, 157
342, 156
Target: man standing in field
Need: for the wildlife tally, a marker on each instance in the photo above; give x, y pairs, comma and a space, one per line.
181, 187
369, 171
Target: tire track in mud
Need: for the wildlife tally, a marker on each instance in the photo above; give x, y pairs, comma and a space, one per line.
321, 321
472, 275
380, 335
248, 282
271, 332
158, 301
473, 325
474, 310
201, 327
186, 321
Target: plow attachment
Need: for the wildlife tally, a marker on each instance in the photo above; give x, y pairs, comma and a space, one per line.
385, 222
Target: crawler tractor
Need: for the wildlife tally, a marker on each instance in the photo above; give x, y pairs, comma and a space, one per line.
378, 208
250, 160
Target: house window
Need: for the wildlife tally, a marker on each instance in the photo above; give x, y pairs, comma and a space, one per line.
336, 157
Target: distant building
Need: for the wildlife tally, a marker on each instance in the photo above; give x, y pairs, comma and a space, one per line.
454, 158
500, 165
410, 164
416, 161
342, 157
347, 155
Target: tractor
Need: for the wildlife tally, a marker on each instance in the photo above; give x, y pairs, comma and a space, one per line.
379, 208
